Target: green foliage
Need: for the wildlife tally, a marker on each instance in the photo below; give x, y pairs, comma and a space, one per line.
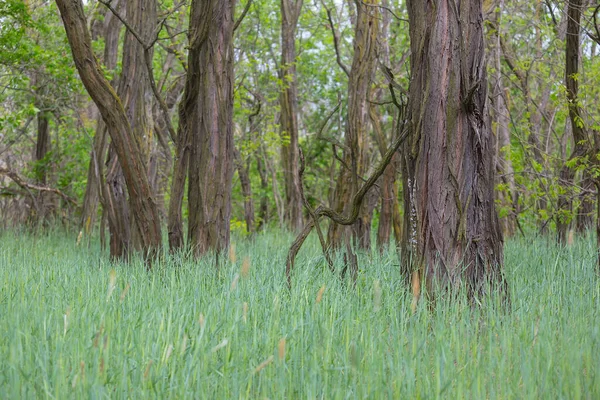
71, 327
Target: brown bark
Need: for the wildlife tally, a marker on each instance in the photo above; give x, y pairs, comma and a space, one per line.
452, 234
290, 12
585, 212
263, 211
356, 133
244, 176
110, 30
129, 153
580, 138
210, 124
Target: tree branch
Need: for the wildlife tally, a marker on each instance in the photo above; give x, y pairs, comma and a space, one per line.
25, 185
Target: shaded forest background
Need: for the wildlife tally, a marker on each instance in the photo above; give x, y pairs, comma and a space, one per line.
319, 94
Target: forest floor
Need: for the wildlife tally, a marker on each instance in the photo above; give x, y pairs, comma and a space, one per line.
73, 325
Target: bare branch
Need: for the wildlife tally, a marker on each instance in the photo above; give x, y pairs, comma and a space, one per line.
336, 40
243, 15
27, 186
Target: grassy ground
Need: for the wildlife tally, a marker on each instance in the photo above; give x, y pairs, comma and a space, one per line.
74, 326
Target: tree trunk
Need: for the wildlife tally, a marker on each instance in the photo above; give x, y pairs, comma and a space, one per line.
134, 89
356, 134
263, 212
244, 176
452, 231
581, 144
129, 153
290, 155
111, 29
210, 66
500, 127
585, 212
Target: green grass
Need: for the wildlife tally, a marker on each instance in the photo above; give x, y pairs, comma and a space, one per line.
62, 335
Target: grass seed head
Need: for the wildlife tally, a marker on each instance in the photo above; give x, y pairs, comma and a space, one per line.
201, 321
218, 347
245, 271
234, 282
245, 312
264, 364
281, 349
125, 291
232, 257
376, 295
147, 371
112, 283
320, 294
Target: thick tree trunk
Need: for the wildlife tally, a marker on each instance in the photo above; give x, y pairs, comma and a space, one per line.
290, 155
356, 134
452, 231
129, 153
210, 65
581, 144
134, 89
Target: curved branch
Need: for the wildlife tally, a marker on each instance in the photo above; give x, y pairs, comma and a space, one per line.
25, 185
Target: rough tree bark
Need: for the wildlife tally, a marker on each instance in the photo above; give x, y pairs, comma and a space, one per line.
356, 133
210, 124
580, 137
130, 155
290, 12
110, 31
136, 95
452, 234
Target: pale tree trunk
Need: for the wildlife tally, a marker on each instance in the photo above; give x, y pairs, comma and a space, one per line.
210, 125
129, 153
290, 155
356, 135
389, 192
452, 231
580, 137
500, 126
110, 31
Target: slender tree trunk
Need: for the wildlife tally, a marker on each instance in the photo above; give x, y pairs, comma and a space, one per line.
452, 231
210, 62
42, 147
244, 176
263, 212
355, 153
500, 126
290, 155
110, 31
129, 153
580, 137
585, 213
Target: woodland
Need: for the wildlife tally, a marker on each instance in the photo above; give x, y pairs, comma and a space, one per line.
377, 179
